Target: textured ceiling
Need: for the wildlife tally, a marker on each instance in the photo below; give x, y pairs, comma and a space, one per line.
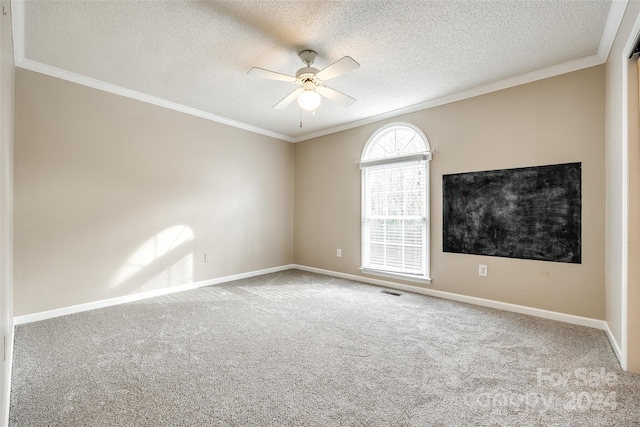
198, 53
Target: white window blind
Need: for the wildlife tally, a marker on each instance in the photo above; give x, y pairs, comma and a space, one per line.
394, 218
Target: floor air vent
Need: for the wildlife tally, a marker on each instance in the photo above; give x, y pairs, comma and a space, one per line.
395, 294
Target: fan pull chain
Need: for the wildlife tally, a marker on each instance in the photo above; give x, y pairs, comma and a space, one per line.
313, 113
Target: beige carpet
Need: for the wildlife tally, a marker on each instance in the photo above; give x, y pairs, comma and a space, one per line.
300, 349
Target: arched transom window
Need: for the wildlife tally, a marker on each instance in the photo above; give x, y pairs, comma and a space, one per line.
395, 202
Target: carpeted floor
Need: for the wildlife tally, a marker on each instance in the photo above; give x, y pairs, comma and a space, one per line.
301, 349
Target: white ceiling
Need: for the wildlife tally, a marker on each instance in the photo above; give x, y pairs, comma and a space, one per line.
197, 54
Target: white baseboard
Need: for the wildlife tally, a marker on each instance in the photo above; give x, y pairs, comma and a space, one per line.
7, 403
28, 318
537, 312
546, 314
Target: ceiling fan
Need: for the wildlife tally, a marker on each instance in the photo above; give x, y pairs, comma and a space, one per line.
310, 81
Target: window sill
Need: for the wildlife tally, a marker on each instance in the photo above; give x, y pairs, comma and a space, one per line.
400, 276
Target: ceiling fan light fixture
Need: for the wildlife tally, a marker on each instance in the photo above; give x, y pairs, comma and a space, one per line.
311, 82
309, 100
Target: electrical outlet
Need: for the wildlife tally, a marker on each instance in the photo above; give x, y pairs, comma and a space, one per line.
207, 257
482, 270
338, 253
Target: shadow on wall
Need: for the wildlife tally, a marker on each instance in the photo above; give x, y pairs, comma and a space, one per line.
164, 260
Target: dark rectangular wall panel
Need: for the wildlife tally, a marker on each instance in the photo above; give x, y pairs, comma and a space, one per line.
530, 213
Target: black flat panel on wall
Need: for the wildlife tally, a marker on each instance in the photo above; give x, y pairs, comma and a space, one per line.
530, 213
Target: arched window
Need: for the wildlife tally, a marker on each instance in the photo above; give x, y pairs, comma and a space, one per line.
395, 203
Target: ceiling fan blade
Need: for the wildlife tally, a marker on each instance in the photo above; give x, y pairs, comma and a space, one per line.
339, 67
335, 96
266, 74
288, 99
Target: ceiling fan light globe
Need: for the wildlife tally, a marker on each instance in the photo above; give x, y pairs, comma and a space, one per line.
309, 100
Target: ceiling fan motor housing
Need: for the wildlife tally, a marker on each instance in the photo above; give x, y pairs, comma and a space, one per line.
307, 73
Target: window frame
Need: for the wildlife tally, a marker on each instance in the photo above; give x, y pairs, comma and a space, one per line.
364, 164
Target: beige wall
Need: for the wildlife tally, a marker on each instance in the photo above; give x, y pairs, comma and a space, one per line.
557, 120
616, 114
109, 190
7, 78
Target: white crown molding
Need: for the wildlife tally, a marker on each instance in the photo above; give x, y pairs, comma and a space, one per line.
556, 70
514, 308
614, 18
616, 12
39, 67
611, 28
35, 317
18, 14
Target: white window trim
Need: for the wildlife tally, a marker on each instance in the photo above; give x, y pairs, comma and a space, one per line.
395, 160
418, 157
407, 277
